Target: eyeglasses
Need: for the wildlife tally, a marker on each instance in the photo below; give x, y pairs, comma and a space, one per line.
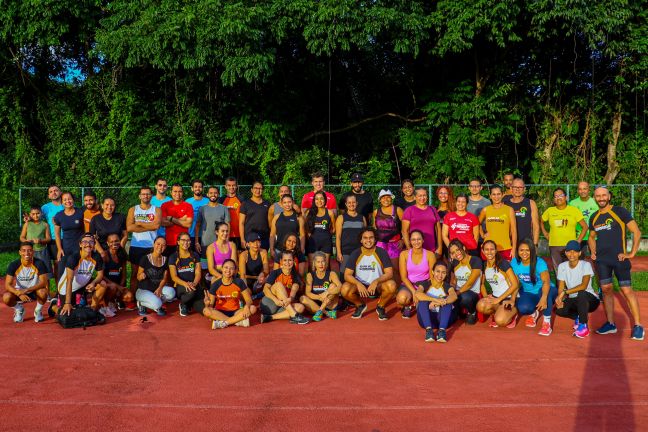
87, 243
559, 196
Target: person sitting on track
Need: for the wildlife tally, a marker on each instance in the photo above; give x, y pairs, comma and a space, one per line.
576, 297
115, 276
435, 304
223, 300
465, 276
219, 251
253, 264
77, 279
322, 288
291, 244
280, 290
319, 227
537, 292
152, 276
504, 285
415, 268
186, 274
26, 280
368, 273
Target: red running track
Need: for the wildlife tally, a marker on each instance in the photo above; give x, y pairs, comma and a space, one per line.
175, 373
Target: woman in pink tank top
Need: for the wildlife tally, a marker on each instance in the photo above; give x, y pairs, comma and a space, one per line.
415, 268
219, 251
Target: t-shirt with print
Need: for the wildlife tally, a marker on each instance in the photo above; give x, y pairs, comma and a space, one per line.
154, 274
287, 280
523, 273
228, 297
83, 269
88, 215
26, 276
233, 204
185, 267
496, 278
562, 224
462, 272
610, 228
114, 270
461, 228
368, 264
587, 209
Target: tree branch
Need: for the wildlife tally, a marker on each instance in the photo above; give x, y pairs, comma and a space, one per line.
361, 122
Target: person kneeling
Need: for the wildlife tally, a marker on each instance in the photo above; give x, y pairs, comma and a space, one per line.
26, 280
435, 304
499, 275
152, 276
322, 289
576, 298
115, 277
278, 302
223, 300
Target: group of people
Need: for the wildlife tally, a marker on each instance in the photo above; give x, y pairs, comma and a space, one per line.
228, 258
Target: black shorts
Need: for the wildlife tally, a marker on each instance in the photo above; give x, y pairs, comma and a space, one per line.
31, 295
607, 270
229, 314
135, 254
268, 307
319, 244
53, 250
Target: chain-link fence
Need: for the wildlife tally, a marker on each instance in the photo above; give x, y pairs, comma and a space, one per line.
632, 196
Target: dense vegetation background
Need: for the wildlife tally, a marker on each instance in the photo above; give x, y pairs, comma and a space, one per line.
117, 92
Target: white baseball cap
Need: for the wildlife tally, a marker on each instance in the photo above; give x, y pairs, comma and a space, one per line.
385, 192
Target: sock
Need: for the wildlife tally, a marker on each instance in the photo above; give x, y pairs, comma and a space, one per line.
546, 318
38, 307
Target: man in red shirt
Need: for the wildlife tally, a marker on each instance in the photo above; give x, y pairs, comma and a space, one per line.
232, 200
177, 216
318, 185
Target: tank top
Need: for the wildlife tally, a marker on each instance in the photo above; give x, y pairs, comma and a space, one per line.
322, 226
418, 272
253, 267
144, 239
498, 225
320, 285
113, 270
220, 257
351, 227
286, 225
36, 231
388, 227
522, 218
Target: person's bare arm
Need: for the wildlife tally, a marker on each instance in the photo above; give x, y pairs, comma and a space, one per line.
535, 223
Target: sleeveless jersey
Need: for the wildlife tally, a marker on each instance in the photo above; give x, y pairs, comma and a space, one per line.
144, 239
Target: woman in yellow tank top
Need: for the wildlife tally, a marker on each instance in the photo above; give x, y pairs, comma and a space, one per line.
500, 224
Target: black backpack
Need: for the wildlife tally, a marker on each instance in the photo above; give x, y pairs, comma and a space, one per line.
81, 316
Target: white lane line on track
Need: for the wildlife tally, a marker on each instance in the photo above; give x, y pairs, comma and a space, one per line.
38, 358
435, 407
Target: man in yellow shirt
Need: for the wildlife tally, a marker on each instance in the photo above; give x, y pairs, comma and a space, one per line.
563, 220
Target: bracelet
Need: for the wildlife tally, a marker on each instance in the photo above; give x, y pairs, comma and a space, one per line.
68, 303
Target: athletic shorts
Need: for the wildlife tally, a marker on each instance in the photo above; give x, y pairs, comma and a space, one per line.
229, 314
31, 295
315, 244
619, 269
425, 284
135, 254
53, 250
391, 247
268, 307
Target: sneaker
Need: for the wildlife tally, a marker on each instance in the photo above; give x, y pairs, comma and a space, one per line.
582, 331
318, 316
38, 316
359, 311
131, 306
546, 329
299, 319
50, 308
243, 323
183, 310
344, 305
637, 333
382, 315
576, 323
120, 305
406, 312
492, 323
513, 323
607, 328
218, 324
429, 335
105, 311
111, 306
532, 319
161, 312
331, 314
19, 310
266, 318
471, 318
441, 336
141, 310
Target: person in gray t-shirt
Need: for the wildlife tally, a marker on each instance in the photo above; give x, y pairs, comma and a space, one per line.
208, 217
476, 202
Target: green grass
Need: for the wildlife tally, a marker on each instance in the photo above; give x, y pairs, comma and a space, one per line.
5, 259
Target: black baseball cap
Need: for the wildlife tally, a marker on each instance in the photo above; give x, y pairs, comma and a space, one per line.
357, 177
252, 237
572, 245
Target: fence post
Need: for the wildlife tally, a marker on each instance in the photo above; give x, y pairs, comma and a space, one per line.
568, 196
430, 194
292, 192
83, 194
632, 200
20, 218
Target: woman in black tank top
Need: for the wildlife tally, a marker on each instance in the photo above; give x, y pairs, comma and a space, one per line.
320, 227
322, 289
348, 228
286, 222
253, 265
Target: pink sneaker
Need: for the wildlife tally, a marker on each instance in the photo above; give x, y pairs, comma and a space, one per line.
582, 331
513, 322
546, 329
532, 319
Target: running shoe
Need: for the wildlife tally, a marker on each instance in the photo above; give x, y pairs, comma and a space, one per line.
441, 336
492, 323
38, 316
429, 335
359, 311
106, 312
19, 310
112, 308
243, 323
607, 328
50, 308
218, 324
130, 306
637, 333
318, 316
344, 305
471, 318
141, 310
183, 310
582, 331
331, 314
161, 312
546, 329
382, 315
576, 323
406, 312
266, 318
299, 319
513, 323
532, 319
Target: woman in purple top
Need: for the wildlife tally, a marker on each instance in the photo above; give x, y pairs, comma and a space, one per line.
424, 218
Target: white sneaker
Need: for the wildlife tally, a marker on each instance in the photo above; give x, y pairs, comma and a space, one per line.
38, 316
19, 310
112, 307
106, 312
243, 323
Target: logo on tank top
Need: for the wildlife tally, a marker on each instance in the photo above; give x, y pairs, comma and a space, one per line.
522, 212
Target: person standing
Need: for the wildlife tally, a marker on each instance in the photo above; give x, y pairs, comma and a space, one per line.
50, 210
562, 219
476, 202
177, 216
197, 200
407, 199
253, 217
276, 208
91, 208
498, 224
317, 180
160, 198
348, 228
461, 225
526, 212
508, 183
587, 205
426, 219
209, 217
37, 232
232, 200
364, 200
607, 243
68, 230
106, 223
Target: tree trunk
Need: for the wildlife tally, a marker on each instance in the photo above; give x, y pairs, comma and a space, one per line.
613, 167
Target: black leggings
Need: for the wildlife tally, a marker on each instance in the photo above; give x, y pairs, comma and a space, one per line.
191, 299
468, 300
580, 306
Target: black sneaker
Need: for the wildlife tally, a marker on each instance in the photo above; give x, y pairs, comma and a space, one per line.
183, 309
161, 311
266, 318
441, 336
429, 335
471, 318
50, 309
299, 319
359, 311
406, 312
382, 315
344, 305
